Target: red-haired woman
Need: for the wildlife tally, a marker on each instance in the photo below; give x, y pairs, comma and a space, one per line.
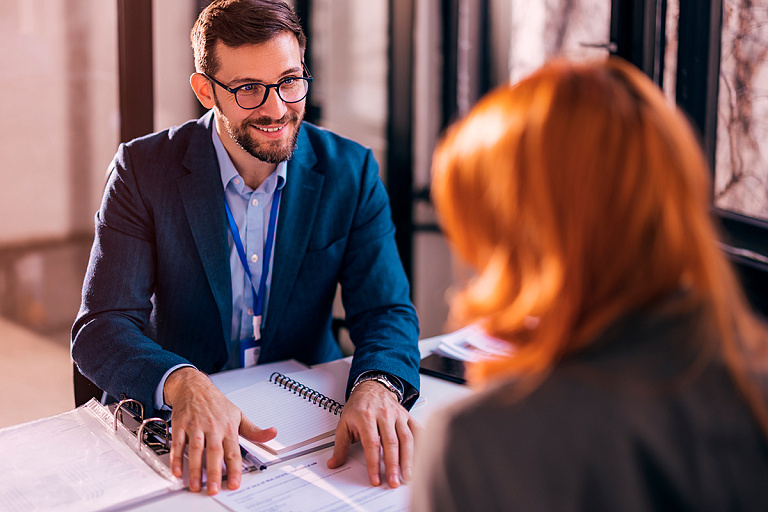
580, 197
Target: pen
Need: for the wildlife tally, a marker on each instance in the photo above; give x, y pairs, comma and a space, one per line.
252, 462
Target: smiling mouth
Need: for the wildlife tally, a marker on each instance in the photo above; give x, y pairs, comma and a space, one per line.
267, 129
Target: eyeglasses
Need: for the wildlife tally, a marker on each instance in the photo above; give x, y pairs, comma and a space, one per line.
291, 89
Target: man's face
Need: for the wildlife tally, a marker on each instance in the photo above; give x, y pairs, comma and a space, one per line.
268, 132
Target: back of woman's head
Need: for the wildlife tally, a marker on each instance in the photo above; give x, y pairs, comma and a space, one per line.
577, 195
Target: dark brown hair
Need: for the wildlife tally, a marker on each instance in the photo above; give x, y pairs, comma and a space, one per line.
240, 22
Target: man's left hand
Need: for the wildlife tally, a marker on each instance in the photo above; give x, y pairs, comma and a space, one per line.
373, 416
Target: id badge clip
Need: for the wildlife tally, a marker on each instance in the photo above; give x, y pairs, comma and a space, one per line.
250, 347
249, 352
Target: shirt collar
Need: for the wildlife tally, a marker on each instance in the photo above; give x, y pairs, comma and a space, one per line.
229, 173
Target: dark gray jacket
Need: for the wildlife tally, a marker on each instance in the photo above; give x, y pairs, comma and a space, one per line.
645, 420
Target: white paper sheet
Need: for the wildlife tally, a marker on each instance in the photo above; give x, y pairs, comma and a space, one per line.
70, 462
472, 344
298, 420
307, 485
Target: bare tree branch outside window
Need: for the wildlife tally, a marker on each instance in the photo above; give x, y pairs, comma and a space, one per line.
741, 162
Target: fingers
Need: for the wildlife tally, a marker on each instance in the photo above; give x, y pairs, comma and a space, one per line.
369, 438
395, 443
212, 449
253, 433
178, 442
234, 463
415, 429
196, 442
405, 444
384, 428
390, 441
341, 446
214, 455
391, 448
208, 423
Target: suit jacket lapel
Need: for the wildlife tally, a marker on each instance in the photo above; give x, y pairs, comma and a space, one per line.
202, 195
298, 207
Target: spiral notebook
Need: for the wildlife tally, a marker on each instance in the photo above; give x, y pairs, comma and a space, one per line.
304, 406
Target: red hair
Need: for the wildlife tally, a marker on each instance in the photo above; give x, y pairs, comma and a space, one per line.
579, 195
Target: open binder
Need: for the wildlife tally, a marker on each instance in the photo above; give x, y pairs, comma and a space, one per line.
83, 458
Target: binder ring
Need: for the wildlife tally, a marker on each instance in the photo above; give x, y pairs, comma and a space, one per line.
119, 411
140, 433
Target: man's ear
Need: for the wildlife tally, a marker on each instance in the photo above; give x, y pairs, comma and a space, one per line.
203, 89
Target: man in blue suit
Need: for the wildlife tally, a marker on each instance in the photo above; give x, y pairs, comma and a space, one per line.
220, 244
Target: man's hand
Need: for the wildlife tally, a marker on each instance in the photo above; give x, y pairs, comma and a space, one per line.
373, 416
203, 417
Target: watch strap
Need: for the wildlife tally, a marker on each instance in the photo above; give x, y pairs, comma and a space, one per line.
391, 383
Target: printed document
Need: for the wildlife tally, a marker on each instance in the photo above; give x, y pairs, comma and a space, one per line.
307, 485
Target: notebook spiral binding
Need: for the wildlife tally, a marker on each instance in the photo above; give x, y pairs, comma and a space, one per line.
307, 393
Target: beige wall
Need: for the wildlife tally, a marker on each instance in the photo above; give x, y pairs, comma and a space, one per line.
175, 102
59, 126
58, 133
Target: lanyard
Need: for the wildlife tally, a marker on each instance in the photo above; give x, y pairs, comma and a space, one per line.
258, 299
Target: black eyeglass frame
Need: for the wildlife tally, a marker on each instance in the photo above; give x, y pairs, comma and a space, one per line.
234, 90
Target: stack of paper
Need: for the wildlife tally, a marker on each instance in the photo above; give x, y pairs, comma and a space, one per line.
471, 344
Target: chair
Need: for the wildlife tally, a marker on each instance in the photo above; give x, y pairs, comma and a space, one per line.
84, 388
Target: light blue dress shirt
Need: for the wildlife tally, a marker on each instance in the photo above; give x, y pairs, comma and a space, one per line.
250, 209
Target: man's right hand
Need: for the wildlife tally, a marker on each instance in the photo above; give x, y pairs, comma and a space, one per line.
206, 420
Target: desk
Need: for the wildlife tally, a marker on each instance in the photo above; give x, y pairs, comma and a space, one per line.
435, 392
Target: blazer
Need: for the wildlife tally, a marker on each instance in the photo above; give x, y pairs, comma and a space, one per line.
646, 419
158, 291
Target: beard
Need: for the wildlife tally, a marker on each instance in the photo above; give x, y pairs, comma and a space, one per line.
274, 151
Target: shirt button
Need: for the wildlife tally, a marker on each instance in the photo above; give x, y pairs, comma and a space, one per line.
255, 202
237, 181
250, 311
254, 258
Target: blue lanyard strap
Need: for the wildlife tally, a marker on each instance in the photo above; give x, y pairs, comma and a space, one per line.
258, 298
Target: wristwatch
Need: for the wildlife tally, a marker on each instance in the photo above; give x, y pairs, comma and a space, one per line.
391, 383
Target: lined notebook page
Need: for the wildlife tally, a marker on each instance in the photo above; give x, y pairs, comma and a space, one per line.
298, 421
